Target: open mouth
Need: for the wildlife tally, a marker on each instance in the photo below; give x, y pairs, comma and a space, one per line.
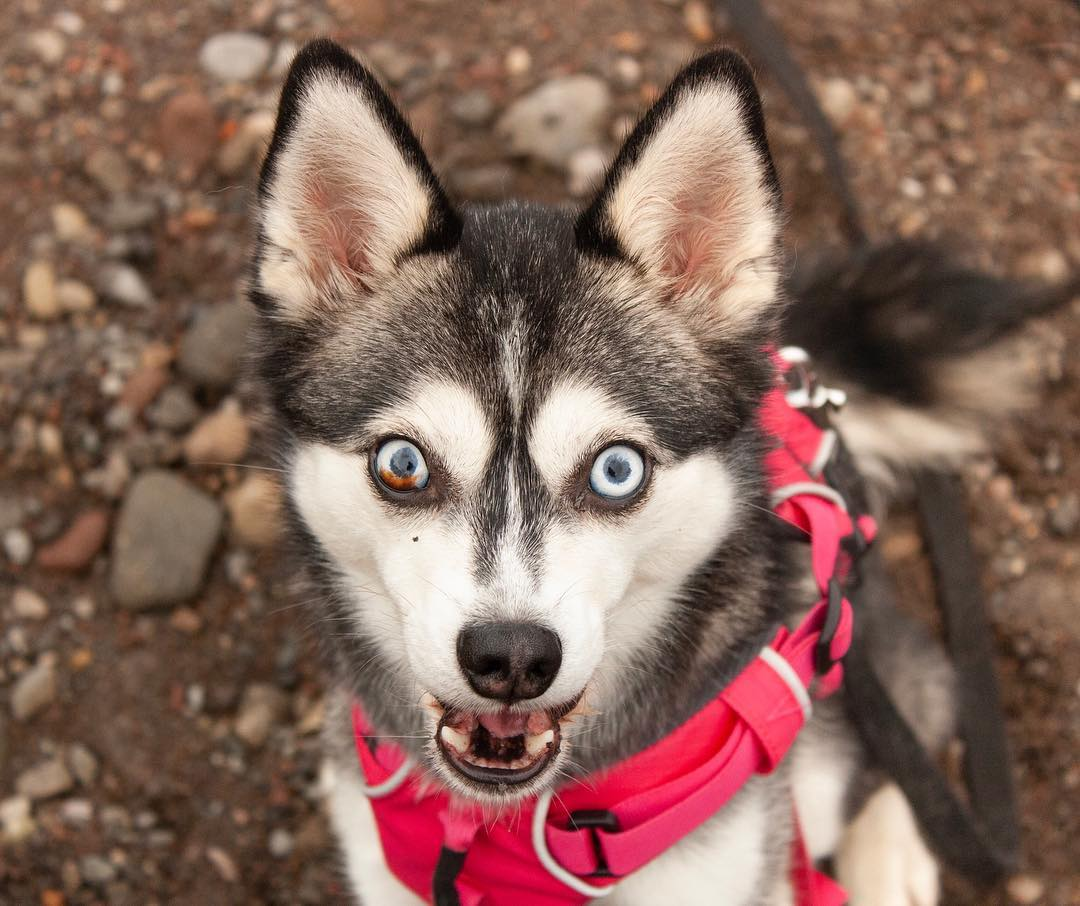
503, 747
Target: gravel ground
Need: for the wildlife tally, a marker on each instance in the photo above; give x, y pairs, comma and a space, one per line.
160, 700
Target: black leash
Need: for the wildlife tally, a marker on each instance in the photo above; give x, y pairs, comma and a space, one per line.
983, 841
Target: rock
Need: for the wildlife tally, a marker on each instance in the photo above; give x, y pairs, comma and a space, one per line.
212, 349
70, 224
188, 130
698, 19
27, 604
39, 291
174, 410
254, 508
392, 63
47, 45
560, 117
96, 870
76, 548
485, 183
281, 843
221, 437
1025, 889
518, 61
585, 171
162, 543
1048, 264
248, 144
15, 819
74, 296
473, 108
627, 72
123, 284
234, 56
83, 763
127, 213
838, 100
261, 707
223, 864
18, 547
45, 780
143, 386
1064, 517
110, 170
34, 690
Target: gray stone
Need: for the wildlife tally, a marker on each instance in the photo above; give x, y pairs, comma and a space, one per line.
1065, 516
123, 284
473, 108
83, 763
45, 780
485, 183
18, 546
260, 708
561, 116
212, 349
127, 213
163, 540
110, 170
174, 409
281, 843
96, 870
15, 819
234, 56
34, 690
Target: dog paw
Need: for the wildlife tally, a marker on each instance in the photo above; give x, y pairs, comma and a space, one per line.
882, 859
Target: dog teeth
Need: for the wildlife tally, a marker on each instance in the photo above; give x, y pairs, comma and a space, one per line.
535, 744
459, 742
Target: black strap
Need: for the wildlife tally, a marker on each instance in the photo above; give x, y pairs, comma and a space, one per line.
443, 889
766, 45
980, 841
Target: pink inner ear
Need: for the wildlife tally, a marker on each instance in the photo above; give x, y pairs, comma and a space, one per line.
703, 228
336, 230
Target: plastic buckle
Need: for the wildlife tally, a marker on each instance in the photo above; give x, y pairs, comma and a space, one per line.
823, 659
592, 820
805, 391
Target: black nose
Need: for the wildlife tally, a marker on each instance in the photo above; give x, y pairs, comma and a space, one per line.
509, 661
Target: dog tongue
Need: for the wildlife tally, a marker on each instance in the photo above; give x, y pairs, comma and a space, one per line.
507, 724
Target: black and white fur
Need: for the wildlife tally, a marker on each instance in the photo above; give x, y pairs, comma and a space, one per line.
513, 342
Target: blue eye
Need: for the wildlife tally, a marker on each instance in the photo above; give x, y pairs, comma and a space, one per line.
617, 472
400, 466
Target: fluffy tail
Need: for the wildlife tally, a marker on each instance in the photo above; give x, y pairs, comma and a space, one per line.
928, 351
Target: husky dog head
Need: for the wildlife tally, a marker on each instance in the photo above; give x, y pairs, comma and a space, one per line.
521, 442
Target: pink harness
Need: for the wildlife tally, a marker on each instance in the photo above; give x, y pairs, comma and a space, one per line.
569, 849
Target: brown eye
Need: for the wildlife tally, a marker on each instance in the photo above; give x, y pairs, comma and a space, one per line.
399, 466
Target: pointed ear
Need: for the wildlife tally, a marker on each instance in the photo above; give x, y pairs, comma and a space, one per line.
693, 197
345, 192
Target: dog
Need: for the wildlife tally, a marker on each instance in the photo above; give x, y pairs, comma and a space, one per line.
524, 467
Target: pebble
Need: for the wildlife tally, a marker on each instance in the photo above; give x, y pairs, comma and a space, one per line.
96, 870
123, 284
1025, 889
698, 19
1049, 265
70, 224
110, 170
560, 117
221, 437
234, 56
83, 763
27, 604
39, 291
489, 182
223, 864
75, 297
126, 212
45, 780
174, 409
627, 72
255, 512
518, 61
18, 547
47, 45
281, 843
261, 706
838, 100
1064, 516
162, 543
142, 386
77, 812
77, 547
188, 129
15, 819
213, 348
34, 690
248, 144
473, 108
390, 61
585, 171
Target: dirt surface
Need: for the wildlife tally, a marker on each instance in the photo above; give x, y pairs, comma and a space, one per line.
167, 751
